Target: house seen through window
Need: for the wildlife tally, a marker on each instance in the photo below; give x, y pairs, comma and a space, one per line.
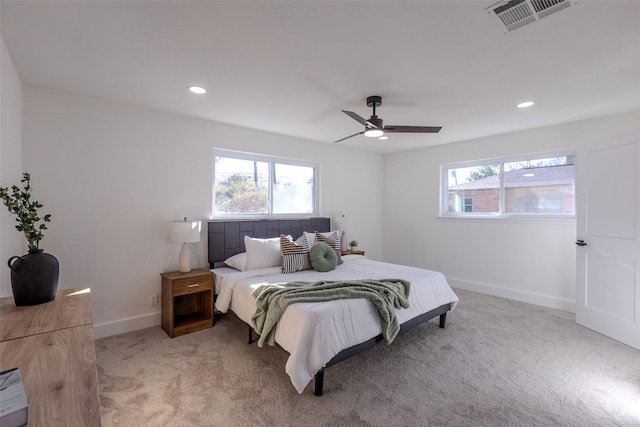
541, 185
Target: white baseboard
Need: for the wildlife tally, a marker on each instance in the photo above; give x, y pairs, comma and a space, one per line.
126, 325
528, 297
153, 319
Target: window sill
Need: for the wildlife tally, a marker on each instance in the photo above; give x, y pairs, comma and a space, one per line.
517, 219
263, 217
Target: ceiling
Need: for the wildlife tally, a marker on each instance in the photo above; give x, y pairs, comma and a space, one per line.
290, 67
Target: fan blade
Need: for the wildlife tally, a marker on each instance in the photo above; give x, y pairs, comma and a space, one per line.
359, 119
350, 136
412, 129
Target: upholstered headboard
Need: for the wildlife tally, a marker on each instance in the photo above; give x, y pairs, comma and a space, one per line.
226, 238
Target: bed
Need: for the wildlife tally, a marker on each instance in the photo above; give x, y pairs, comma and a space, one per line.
318, 335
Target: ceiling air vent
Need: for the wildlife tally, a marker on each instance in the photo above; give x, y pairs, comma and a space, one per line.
517, 13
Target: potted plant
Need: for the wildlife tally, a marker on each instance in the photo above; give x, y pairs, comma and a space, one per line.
353, 244
34, 276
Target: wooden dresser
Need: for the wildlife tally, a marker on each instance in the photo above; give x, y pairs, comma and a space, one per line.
52, 345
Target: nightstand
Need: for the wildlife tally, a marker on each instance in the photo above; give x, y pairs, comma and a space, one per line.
351, 252
187, 301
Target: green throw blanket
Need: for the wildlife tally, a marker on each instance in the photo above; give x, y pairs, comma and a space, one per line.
272, 300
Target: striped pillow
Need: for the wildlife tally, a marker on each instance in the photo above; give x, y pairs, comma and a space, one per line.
333, 240
295, 255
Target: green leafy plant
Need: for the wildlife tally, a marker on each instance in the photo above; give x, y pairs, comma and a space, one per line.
353, 244
19, 203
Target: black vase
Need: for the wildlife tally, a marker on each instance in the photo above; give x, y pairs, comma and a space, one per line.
34, 277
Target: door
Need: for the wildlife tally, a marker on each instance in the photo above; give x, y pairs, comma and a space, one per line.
608, 245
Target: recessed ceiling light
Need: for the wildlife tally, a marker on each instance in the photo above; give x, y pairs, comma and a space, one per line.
384, 137
525, 104
529, 175
197, 89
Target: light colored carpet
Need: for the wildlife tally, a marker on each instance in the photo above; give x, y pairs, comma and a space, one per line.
497, 363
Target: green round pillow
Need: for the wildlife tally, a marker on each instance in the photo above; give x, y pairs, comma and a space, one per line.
323, 258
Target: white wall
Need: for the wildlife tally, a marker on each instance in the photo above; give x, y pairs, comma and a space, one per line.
532, 261
114, 175
11, 241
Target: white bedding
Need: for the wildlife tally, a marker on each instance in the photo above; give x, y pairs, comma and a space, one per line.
313, 333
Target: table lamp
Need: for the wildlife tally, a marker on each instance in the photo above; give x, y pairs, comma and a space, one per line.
185, 232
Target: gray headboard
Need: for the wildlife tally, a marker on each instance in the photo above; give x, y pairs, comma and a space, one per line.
226, 238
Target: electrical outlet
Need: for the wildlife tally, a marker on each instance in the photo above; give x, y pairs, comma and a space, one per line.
153, 300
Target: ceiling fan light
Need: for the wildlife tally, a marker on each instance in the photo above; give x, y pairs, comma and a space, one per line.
373, 133
197, 90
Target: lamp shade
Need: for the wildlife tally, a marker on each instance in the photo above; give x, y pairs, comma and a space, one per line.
185, 231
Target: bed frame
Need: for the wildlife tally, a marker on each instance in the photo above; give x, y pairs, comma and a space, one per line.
226, 238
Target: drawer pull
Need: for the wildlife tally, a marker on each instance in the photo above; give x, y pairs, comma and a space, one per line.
194, 285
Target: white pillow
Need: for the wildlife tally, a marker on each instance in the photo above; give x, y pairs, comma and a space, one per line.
311, 239
262, 253
239, 261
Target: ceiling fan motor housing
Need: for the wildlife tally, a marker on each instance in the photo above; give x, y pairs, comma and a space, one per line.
376, 121
374, 101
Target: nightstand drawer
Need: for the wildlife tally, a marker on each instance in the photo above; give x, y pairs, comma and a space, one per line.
191, 285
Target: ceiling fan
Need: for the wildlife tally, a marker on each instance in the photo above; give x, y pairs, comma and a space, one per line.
375, 128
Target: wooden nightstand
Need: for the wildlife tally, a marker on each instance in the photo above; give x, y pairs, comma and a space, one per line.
187, 301
350, 252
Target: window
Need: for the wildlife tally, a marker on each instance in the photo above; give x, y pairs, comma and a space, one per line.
468, 204
252, 185
540, 185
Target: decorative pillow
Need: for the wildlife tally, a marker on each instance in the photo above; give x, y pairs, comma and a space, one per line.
311, 237
332, 239
239, 261
323, 257
295, 255
262, 253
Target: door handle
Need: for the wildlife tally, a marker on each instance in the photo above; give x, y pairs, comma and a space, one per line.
581, 243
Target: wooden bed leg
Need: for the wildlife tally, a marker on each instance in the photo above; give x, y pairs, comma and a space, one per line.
319, 383
443, 319
250, 335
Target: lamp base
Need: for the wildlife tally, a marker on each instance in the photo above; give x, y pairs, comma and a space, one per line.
185, 259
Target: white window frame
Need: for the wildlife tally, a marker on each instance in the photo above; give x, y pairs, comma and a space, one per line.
444, 191
271, 160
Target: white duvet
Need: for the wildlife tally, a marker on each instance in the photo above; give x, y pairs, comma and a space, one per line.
313, 333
